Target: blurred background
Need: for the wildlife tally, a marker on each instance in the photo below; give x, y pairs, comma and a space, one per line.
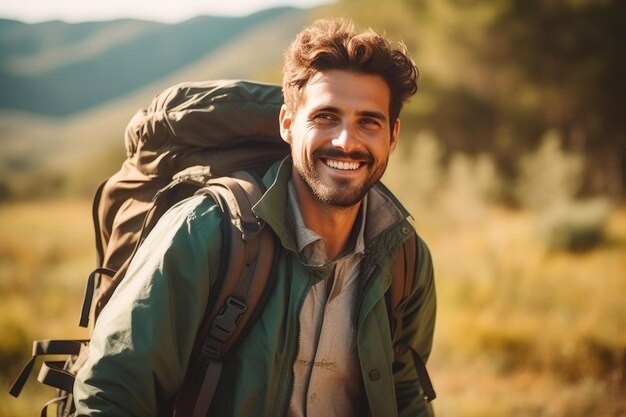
512, 161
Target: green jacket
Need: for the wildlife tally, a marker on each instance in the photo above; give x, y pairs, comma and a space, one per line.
143, 338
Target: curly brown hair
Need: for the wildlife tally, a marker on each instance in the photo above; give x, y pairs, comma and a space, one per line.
334, 44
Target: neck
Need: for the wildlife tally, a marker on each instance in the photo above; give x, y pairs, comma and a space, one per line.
332, 224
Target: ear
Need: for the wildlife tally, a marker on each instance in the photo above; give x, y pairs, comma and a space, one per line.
395, 134
285, 119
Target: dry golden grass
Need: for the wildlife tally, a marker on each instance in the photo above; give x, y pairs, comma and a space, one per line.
521, 331
46, 252
526, 331
46, 248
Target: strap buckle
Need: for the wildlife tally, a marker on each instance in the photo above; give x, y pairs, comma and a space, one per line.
221, 330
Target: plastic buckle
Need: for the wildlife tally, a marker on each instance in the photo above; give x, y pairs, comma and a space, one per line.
226, 322
250, 231
211, 349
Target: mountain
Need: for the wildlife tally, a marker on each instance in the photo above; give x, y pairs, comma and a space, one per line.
59, 69
70, 89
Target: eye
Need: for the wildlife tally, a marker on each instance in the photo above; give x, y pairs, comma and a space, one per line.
325, 118
370, 122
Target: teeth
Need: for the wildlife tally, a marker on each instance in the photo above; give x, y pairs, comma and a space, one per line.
342, 165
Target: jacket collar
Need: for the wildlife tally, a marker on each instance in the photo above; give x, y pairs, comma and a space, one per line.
383, 211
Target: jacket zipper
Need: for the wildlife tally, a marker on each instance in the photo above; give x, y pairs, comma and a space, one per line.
368, 273
288, 391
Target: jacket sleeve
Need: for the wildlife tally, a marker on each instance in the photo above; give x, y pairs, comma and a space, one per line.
417, 333
143, 338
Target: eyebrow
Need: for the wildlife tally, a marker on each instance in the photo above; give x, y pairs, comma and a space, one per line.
365, 113
373, 114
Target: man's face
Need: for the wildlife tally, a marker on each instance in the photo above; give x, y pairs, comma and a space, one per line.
341, 136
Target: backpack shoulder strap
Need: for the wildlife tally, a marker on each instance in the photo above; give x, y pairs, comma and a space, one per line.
239, 293
100, 255
403, 273
96, 223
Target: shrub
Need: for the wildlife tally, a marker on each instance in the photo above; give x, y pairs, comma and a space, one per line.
415, 172
549, 175
575, 224
549, 182
471, 183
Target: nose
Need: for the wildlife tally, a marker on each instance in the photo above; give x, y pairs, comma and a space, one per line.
345, 139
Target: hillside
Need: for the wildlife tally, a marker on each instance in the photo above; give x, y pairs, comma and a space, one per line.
60, 69
485, 90
40, 152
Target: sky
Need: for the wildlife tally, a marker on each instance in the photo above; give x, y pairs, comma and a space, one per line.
169, 11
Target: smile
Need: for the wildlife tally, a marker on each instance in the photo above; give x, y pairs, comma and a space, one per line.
345, 166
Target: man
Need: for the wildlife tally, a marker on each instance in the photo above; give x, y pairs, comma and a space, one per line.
322, 345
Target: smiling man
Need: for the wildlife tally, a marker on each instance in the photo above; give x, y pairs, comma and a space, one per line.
341, 136
323, 344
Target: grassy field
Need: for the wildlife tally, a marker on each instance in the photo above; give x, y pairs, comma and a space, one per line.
521, 331
46, 253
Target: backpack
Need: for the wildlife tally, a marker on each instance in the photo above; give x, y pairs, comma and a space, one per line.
215, 138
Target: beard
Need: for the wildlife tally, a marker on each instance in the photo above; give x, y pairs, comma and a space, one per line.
339, 192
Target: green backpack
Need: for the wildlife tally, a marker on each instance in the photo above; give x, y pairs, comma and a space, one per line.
215, 138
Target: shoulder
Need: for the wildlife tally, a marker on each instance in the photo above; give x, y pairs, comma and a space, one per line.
195, 218
197, 211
